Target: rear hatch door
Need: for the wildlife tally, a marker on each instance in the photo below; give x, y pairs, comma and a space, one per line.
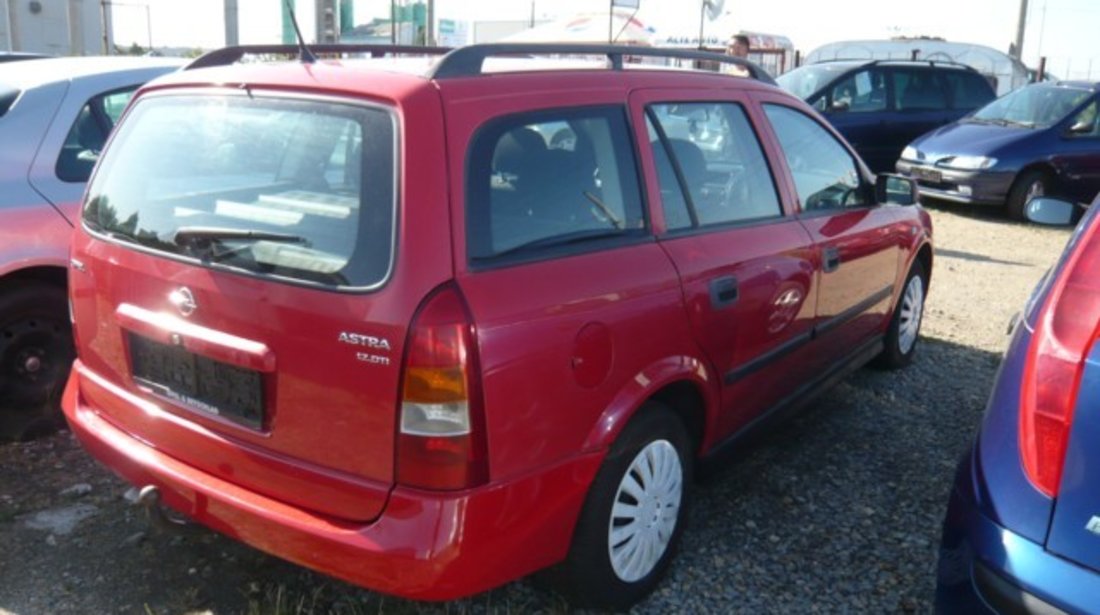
233, 297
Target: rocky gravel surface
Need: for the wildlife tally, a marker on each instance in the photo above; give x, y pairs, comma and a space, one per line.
835, 511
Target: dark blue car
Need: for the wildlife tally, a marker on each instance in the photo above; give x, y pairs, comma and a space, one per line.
1022, 532
1040, 139
880, 106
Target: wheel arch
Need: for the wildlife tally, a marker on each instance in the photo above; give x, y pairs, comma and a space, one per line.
54, 275
682, 383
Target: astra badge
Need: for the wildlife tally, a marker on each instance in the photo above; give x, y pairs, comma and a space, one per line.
359, 339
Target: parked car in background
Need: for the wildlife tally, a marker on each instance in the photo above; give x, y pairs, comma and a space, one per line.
16, 56
880, 106
1042, 139
1022, 532
55, 115
429, 329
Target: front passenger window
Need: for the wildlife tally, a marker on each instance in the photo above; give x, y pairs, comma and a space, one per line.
825, 174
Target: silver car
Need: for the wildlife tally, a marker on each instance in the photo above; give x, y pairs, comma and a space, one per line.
55, 116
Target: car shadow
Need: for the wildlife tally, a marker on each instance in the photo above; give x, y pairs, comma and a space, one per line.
978, 258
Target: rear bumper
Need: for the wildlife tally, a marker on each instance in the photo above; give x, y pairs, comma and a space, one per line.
986, 568
426, 546
969, 187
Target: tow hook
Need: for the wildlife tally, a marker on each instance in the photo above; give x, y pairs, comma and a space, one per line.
148, 497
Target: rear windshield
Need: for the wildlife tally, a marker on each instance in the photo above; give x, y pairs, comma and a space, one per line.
290, 188
7, 98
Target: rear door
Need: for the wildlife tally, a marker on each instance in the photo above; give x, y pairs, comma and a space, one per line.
859, 241
272, 360
573, 300
920, 105
747, 267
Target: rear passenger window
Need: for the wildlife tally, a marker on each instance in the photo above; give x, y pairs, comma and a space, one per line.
552, 181
710, 165
968, 91
918, 90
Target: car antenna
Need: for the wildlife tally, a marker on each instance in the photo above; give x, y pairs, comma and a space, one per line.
305, 56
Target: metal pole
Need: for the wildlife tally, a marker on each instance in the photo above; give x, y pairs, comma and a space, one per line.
702, 14
149, 26
430, 38
1021, 25
105, 12
532, 14
610, 26
7, 19
1042, 69
393, 22
232, 31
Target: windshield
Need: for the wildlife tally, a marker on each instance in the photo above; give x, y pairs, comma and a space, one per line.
298, 189
1034, 106
805, 81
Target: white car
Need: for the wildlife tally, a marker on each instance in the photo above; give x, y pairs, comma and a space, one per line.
55, 116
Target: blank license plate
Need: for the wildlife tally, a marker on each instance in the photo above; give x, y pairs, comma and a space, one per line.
199, 382
931, 175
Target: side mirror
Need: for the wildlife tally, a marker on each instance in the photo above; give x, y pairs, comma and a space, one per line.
1050, 211
895, 189
839, 105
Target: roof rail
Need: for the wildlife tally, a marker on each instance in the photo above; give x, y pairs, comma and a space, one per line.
469, 61
230, 55
870, 62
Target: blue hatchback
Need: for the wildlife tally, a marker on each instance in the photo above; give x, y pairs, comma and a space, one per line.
881, 105
1022, 532
1040, 139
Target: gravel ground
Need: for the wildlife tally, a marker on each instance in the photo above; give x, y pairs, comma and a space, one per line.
837, 510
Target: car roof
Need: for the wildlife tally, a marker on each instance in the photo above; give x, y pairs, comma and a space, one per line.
33, 73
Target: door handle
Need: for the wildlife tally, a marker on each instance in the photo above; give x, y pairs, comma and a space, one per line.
830, 257
723, 292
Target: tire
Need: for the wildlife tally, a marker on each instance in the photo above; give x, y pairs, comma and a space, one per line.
591, 576
1028, 185
36, 354
904, 331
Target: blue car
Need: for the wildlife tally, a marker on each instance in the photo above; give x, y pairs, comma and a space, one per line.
1042, 139
1022, 531
881, 105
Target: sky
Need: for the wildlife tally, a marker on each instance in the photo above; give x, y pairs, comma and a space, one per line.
1065, 31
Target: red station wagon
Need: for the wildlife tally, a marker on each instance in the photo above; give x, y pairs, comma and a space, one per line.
433, 324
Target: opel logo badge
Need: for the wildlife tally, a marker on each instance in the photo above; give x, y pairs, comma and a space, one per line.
183, 300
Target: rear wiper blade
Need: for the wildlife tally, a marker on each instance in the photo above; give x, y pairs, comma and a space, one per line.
207, 237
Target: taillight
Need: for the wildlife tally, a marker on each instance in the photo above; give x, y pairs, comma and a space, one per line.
1064, 332
441, 435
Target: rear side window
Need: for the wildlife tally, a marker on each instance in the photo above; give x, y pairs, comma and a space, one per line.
88, 135
551, 182
918, 90
290, 188
968, 90
710, 165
